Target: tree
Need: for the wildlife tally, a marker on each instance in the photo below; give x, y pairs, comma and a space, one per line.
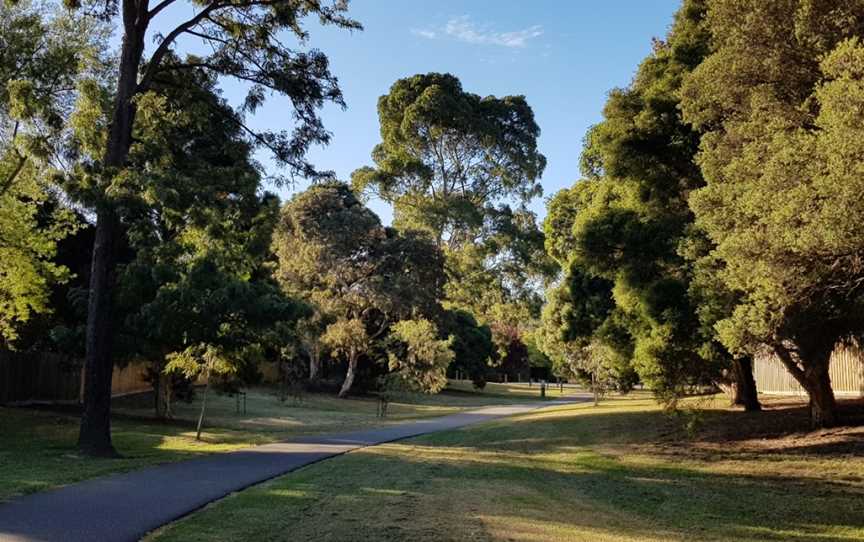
197, 361
243, 41
327, 244
627, 220
472, 345
452, 163
417, 357
780, 101
447, 154
348, 338
189, 195
309, 332
43, 55
208, 308
580, 332
334, 253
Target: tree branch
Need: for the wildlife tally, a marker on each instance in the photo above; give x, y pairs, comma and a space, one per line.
159, 7
785, 357
7, 184
162, 50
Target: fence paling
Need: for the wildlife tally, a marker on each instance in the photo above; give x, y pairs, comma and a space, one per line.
46, 376
27, 376
846, 371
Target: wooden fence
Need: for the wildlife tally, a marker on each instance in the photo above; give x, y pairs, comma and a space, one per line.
847, 374
43, 376
26, 376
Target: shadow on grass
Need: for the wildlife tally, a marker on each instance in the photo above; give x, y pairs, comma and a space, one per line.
38, 449
782, 429
387, 497
538, 477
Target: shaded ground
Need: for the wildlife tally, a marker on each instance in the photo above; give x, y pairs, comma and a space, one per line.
124, 507
620, 472
37, 447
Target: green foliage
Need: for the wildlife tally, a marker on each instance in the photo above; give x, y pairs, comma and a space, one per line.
417, 357
334, 252
451, 163
472, 344
446, 154
43, 54
780, 100
198, 234
581, 333
198, 360
624, 223
347, 338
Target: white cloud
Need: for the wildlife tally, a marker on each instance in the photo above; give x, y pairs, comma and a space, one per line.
465, 30
428, 34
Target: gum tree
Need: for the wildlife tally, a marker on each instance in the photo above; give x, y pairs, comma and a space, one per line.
334, 253
245, 40
462, 168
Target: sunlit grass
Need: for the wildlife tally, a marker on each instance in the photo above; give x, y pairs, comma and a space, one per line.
37, 448
623, 471
515, 389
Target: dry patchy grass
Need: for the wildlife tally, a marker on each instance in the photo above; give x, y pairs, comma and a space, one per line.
623, 471
37, 448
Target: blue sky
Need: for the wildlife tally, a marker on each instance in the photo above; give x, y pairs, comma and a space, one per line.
564, 56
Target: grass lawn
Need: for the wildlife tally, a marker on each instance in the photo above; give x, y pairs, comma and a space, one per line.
623, 471
37, 448
513, 389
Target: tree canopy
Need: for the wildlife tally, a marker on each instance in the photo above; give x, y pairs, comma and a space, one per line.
243, 41
716, 218
462, 168
334, 253
779, 100
43, 56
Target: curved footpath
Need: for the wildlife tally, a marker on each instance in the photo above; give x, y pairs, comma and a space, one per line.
124, 507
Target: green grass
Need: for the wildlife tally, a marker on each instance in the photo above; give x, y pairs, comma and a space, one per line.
618, 472
512, 390
37, 448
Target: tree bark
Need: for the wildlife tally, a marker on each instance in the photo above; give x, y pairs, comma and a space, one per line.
94, 437
823, 406
203, 407
314, 366
815, 379
162, 392
746, 394
349, 377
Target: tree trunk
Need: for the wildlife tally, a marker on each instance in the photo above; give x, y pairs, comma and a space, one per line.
94, 437
314, 366
823, 406
203, 407
283, 381
815, 379
349, 377
157, 397
162, 392
746, 394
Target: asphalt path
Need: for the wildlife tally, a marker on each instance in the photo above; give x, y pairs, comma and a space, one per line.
125, 507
